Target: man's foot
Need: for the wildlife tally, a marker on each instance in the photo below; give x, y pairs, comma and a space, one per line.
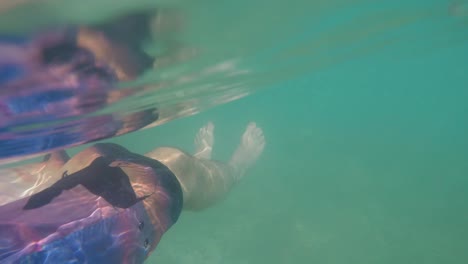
250, 148
204, 141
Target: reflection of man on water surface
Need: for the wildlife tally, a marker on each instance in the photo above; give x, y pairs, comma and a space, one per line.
68, 67
65, 72
109, 205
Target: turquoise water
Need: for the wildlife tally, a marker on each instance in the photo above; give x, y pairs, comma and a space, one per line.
366, 158
366, 162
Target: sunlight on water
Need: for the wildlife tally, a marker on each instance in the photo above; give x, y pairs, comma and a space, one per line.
207, 53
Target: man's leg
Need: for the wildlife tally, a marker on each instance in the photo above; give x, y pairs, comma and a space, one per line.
249, 150
204, 141
205, 181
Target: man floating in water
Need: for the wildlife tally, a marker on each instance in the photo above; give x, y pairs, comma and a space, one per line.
109, 205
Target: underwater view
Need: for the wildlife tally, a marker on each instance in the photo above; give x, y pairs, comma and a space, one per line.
163, 131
